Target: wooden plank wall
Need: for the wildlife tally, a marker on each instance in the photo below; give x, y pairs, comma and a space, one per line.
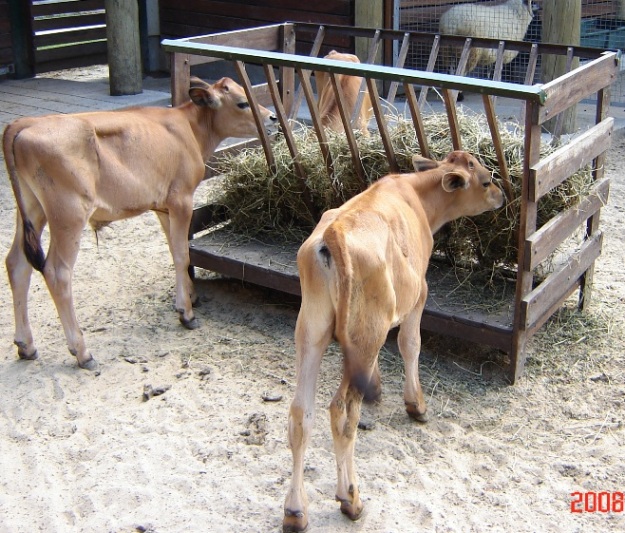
6, 42
188, 18
68, 33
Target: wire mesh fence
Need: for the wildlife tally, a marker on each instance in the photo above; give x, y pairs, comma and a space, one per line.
602, 26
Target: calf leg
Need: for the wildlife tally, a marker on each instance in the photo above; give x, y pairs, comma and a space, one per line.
65, 236
345, 413
409, 340
176, 227
19, 272
313, 333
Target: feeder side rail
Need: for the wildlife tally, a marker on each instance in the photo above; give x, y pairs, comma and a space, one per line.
533, 93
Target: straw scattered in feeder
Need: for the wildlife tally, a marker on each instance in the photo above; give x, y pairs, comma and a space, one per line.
263, 203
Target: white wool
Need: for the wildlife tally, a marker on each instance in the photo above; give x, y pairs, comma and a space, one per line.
507, 21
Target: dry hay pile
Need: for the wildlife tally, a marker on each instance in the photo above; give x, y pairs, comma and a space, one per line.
261, 202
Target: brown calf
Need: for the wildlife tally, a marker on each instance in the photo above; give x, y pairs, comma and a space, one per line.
67, 170
350, 87
362, 272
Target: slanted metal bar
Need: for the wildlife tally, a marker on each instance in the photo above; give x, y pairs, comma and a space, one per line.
383, 129
290, 141
489, 108
349, 133
436, 45
557, 131
417, 119
452, 118
260, 126
316, 120
373, 50
314, 52
401, 60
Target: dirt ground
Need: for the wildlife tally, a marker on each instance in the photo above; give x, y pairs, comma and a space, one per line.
80, 452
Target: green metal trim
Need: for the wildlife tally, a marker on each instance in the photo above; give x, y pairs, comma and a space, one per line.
533, 93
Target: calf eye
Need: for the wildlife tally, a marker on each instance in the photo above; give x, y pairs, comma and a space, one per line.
243, 105
486, 184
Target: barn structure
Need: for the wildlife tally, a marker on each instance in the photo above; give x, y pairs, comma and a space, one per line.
41, 35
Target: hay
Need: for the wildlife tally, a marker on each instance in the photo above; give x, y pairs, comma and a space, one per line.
260, 202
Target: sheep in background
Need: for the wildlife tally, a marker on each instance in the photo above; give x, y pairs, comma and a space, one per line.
506, 21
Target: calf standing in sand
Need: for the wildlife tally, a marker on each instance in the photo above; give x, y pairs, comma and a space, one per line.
362, 272
67, 170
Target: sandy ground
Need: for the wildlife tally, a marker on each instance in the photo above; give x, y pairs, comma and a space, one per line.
80, 452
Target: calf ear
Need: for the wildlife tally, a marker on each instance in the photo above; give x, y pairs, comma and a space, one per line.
204, 97
422, 164
455, 180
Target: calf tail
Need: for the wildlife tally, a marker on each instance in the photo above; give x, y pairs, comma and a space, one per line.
361, 376
32, 242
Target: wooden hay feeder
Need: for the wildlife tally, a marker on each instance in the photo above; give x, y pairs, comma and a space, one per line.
532, 298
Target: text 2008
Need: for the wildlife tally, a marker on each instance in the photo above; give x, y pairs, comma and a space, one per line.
597, 502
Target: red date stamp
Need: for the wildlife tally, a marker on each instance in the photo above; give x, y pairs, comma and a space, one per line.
597, 502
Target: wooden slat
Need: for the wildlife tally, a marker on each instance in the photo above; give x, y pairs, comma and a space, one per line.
59, 23
558, 166
417, 119
290, 142
539, 301
550, 236
532, 93
452, 118
382, 127
317, 126
77, 35
42, 9
491, 118
401, 60
531, 65
263, 38
258, 119
68, 52
440, 322
592, 224
430, 68
349, 133
314, 52
557, 130
373, 50
574, 86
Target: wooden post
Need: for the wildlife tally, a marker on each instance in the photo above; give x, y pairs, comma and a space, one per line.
124, 47
560, 30
20, 21
368, 14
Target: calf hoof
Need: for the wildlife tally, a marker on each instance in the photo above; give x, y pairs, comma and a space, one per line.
294, 521
351, 510
90, 364
23, 354
189, 324
416, 414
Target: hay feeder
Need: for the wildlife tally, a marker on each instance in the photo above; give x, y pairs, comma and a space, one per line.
531, 298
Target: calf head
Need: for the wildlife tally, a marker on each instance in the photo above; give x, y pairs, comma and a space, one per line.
469, 186
230, 109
